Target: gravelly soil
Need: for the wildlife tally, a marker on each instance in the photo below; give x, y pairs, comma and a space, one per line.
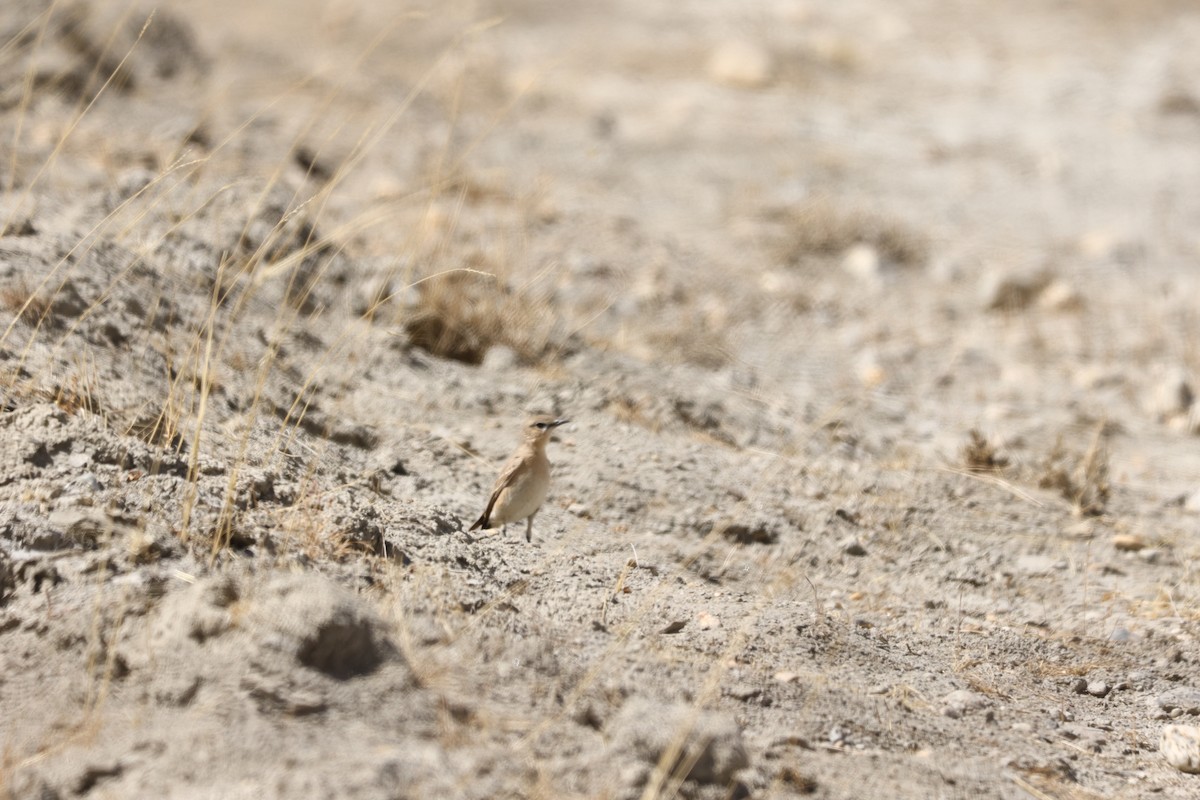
877, 324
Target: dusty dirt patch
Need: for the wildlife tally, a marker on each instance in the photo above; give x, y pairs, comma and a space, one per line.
876, 321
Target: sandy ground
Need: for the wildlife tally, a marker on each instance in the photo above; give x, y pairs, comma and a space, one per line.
877, 325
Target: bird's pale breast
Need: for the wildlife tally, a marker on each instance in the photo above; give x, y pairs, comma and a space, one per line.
525, 496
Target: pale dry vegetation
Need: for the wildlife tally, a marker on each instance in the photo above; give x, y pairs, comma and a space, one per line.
980, 455
826, 228
463, 314
1080, 477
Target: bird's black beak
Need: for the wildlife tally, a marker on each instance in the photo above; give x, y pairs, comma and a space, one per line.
558, 422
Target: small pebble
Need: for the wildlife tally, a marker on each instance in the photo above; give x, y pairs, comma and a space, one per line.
741, 64
1098, 689
1079, 686
1060, 296
854, 548
862, 261
1128, 542
499, 358
1084, 529
960, 701
870, 373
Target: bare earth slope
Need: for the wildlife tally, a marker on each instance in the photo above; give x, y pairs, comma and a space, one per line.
876, 321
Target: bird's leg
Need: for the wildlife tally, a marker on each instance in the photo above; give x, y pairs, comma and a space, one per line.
529, 528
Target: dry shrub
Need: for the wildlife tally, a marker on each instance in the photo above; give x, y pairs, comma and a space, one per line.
1014, 293
309, 530
979, 455
633, 411
78, 393
1179, 101
701, 347
822, 229
462, 315
290, 248
162, 429
25, 303
796, 781
1080, 479
677, 326
983, 686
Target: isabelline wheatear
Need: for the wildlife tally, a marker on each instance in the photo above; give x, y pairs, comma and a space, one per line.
524, 481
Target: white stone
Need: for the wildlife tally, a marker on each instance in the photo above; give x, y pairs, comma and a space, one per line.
741, 64
1180, 745
1060, 296
863, 262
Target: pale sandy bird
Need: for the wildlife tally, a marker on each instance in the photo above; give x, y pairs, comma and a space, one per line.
521, 488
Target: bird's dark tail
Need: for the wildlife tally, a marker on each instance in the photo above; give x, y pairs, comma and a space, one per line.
482, 522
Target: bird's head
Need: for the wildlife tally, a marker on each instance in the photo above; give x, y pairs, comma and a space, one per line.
540, 427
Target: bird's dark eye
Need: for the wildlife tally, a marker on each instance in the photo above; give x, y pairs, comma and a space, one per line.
541, 426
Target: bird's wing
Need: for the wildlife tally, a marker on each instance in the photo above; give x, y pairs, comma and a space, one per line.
485, 519
513, 470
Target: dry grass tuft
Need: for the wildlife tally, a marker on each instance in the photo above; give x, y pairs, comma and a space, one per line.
823, 229
463, 315
78, 394
979, 455
24, 303
796, 781
1056, 781
634, 411
702, 347
1080, 479
162, 429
